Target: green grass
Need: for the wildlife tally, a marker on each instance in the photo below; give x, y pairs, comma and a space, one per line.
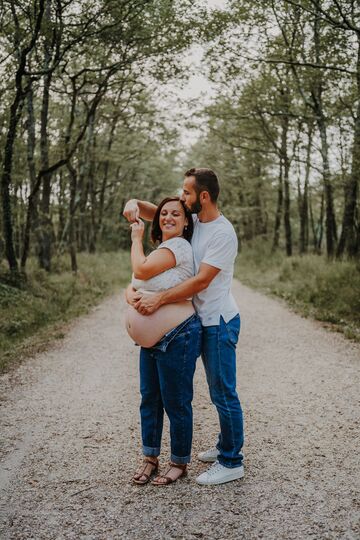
36, 310
328, 291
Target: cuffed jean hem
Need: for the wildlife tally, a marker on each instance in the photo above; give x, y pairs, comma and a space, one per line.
233, 463
180, 460
151, 452
229, 465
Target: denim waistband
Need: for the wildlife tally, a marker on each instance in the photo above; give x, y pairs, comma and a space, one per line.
169, 336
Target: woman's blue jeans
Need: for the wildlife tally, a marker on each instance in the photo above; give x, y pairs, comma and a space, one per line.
219, 358
166, 383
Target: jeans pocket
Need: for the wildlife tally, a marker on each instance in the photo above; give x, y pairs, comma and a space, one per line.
232, 329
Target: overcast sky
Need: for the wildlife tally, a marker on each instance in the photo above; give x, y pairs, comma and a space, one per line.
179, 101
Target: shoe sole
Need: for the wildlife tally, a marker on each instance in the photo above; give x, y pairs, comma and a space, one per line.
217, 482
207, 459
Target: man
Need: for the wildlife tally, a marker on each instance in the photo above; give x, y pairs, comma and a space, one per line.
214, 245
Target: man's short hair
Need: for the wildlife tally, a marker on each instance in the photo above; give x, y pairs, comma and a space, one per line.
205, 180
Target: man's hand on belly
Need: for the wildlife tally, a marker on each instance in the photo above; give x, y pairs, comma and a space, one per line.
148, 304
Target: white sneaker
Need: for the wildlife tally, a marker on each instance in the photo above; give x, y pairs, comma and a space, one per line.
218, 474
209, 456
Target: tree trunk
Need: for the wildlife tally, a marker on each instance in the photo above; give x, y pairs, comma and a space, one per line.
330, 222
284, 154
320, 226
279, 209
15, 113
62, 211
32, 213
312, 223
45, 233
93, 202
72, 210
304, 199
348, 239
106, 171
84, 185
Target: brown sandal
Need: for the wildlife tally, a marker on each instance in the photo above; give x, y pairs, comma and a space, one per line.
138, 475
168, 479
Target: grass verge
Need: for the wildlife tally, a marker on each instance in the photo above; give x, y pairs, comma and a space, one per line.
38, 310
328, 291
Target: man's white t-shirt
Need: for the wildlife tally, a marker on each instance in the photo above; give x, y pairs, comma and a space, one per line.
215, 243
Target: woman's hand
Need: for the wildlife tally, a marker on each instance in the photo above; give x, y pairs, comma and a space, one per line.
137, 230
131, 295
131, 211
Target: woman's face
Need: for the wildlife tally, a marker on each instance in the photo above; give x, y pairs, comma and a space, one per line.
172, 220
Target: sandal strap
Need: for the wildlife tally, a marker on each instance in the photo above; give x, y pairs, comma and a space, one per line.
168, 479
148, 460
146, 463
181, 466
140, 475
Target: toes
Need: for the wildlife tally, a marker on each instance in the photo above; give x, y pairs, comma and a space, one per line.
140, 479
160, 480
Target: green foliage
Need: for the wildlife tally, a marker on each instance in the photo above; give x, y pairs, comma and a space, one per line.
45, 299
326, 290
91, 114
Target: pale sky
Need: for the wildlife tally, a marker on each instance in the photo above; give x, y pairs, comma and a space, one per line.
194, 94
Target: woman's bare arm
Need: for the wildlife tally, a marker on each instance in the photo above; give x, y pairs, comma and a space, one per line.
157, 262
135, 209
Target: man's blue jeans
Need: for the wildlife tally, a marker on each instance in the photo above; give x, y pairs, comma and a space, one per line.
166, 382
219, 357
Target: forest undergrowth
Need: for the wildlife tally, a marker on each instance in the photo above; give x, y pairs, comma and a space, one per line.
313, 285
35, 311
38, 310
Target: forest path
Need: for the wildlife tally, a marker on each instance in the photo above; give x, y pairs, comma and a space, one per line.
70, 437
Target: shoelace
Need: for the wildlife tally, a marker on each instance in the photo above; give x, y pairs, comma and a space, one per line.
215, 468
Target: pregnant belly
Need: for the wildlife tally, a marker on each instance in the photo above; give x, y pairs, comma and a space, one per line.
147, 330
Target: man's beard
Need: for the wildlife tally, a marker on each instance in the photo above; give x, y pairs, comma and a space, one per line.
196, 207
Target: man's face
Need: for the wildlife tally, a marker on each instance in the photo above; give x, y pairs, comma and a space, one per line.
189, 195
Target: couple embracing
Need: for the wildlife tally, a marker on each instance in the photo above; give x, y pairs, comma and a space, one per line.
181, 307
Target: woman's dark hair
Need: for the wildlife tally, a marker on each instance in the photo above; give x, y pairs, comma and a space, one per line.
205, 180
156, 232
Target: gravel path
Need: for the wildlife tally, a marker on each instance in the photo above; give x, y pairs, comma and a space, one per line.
70, 438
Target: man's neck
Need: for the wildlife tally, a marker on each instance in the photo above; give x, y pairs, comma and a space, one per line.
209, 213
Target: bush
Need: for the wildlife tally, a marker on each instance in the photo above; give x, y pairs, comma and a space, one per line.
326, 290
28, 306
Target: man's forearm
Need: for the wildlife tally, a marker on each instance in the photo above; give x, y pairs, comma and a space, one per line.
185, 290
147, 210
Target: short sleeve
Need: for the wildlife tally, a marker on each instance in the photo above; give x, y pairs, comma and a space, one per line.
181, 249
221, 251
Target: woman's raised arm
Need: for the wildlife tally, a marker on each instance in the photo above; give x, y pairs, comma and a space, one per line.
157, 262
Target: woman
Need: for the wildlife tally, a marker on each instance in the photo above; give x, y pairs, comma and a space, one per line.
170, 340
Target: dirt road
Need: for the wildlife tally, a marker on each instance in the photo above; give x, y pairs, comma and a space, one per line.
70, 438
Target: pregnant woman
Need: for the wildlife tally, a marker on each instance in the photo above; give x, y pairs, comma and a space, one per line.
170, 340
